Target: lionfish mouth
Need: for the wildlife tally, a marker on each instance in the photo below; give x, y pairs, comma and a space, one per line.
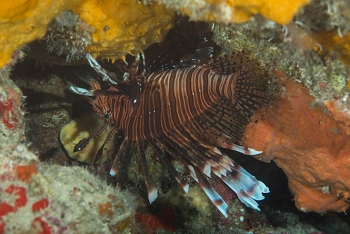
187, 113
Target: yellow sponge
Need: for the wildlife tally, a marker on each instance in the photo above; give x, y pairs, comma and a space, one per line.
124, 26
23, 21
121, 26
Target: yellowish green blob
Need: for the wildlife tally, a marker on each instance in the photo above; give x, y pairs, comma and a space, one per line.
80, 128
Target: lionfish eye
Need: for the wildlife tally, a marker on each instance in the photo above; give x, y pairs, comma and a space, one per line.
107, 115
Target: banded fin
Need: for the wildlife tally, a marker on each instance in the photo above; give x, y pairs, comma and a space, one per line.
241, 194
200, 161
124, 149
95, 85
262, 186
248, 189
228, 64
221, 124
212, 134
99, 70
249, 85
249, 95
167, 163
245, 150
179, 58
211, 193
100, 151
94, 93
81, 91
151, 188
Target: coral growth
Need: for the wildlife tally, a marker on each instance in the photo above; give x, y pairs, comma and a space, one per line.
334, 41
325, 25
7, 107
11, 113
42, 198
310, 146
233, 11
69, 35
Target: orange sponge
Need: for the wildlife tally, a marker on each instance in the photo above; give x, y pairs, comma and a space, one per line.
310, 146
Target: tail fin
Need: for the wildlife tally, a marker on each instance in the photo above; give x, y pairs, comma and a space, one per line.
230, 63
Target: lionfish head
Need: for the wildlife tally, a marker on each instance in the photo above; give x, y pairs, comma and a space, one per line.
104, 102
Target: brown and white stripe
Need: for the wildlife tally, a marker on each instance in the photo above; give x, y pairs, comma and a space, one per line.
187, 113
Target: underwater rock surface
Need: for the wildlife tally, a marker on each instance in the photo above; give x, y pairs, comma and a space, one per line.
35, 102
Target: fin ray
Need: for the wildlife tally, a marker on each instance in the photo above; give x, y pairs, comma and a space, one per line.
151, 188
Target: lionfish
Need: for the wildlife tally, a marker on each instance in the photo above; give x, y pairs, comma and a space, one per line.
187, 114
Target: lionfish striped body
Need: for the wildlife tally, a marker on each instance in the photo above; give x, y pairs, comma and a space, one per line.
185, 114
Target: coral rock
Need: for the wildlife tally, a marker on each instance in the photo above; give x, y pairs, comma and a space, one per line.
124, 27
310, 146
56, 196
